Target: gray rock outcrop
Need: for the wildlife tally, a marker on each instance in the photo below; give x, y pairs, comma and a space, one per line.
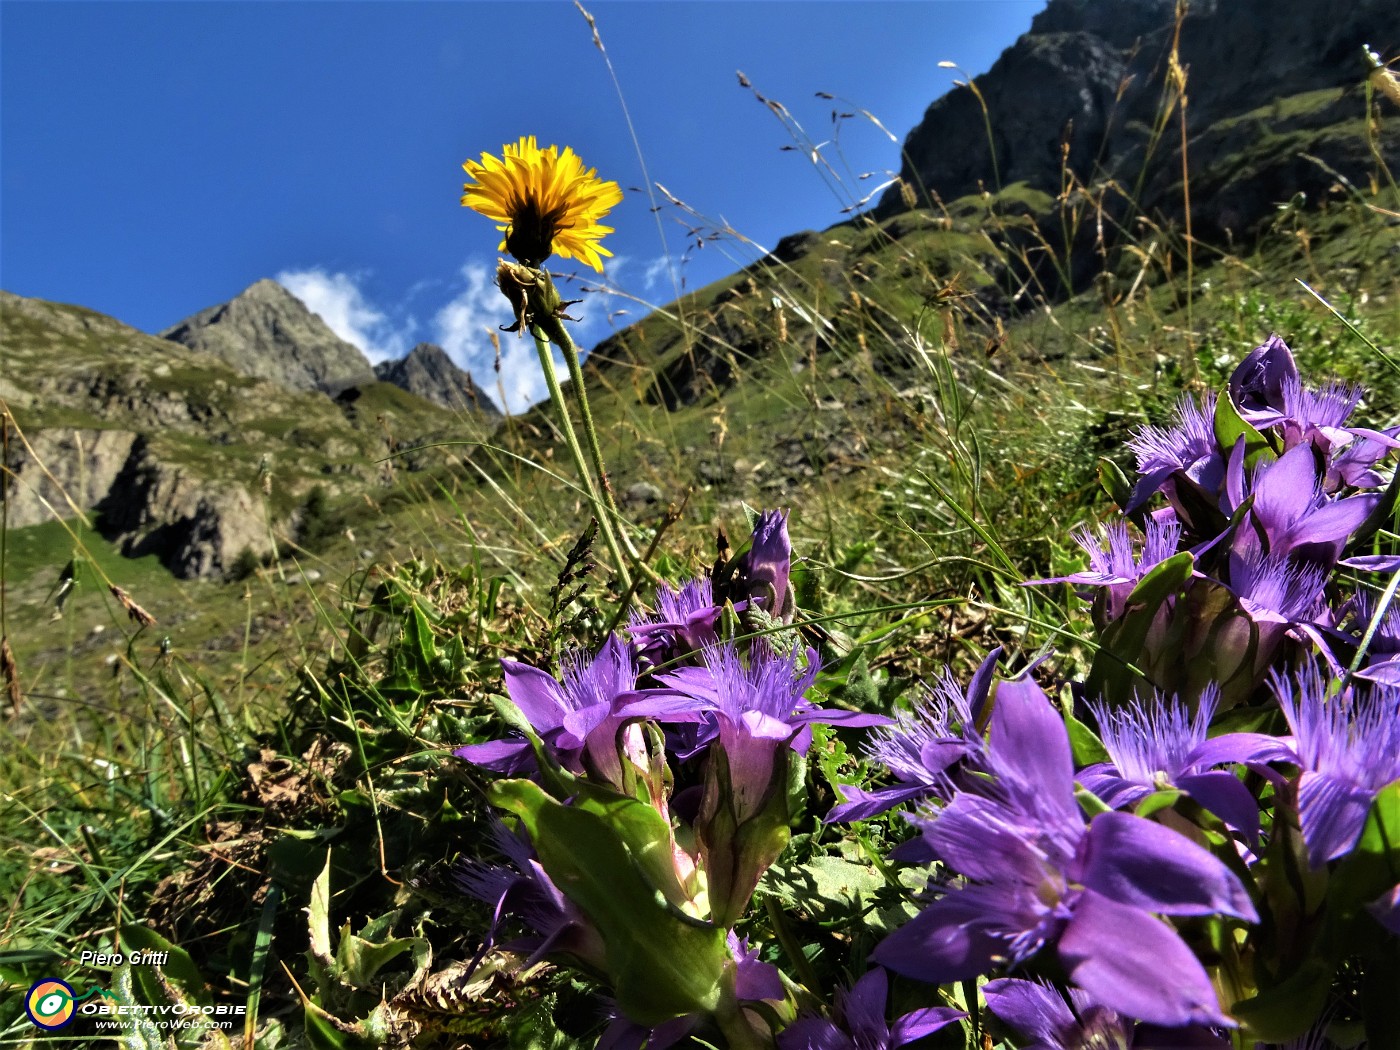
267, 332
1088, 78
428, 372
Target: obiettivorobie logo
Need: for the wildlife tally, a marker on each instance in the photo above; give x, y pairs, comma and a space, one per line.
51, 1003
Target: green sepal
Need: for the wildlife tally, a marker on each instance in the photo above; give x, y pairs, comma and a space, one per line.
1158, 800
1090, 804
1230, 427
663, 963
1116, 672
1084, 743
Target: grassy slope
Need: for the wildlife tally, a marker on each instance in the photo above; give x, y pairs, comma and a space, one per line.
890, 399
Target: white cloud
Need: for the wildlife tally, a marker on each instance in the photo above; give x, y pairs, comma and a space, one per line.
657, 270
340, 302
463, 328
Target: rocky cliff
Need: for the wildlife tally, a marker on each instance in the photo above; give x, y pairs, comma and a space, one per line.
1083, 89
267, 332
429, 373
171, 450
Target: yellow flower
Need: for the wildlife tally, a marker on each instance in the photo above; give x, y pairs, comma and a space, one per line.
546, 201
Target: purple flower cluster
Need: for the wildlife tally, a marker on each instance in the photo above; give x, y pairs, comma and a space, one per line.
1240, 600
605, 744
1193, 846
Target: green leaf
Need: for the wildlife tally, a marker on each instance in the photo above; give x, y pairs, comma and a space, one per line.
1084, 744
1288, 1010
1114, 482
663, 963
418, 634
326, 1032
860, 690
359, 960
179, 969
1230, 427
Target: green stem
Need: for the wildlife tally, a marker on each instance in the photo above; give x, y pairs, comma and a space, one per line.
601, 510
791, 948
559, 335
739, 1034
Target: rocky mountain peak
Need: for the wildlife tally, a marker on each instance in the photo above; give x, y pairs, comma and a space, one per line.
430, 373
267, 332
1088, 78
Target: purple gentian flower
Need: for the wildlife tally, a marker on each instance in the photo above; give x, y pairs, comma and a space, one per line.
1041, 1015
1184, 453
1346, 747
1117, 568
1292, 517
762, 572
763, 700
684, 620
1038, 877
523, 890
1383, 654
1356, 465
1257, 384
575, 716
922, 745
1162, 746
860, 1021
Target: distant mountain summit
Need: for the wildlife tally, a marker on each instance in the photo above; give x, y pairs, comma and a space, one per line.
428, 372
269, 333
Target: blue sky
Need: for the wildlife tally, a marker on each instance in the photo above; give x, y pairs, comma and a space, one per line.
157, 158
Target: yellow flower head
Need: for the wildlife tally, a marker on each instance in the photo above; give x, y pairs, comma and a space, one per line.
546, 201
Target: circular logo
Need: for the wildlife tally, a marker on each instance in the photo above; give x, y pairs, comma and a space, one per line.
49, 1003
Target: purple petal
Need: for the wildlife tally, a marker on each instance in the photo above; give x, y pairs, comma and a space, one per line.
1029, 736
1386, 909
980, 685
1148, 866
1232, 747
504, 756
1332, 812
1386, 671
1034, 1011
863, 1007
1136, 964
814, 1033
1332, 523
944, 942
923, 1022
1224, 795
861, 804
1373, 562
537, 695
1114, 791
840, 717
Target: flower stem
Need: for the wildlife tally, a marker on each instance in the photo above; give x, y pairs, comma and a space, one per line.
559, 335
603, 511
